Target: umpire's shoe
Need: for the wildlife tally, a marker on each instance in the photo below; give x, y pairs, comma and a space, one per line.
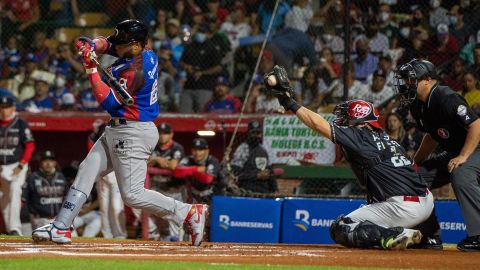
51, 233
429, 242
471, 243
195, 221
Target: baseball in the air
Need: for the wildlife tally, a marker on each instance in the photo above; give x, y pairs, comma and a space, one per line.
272, 80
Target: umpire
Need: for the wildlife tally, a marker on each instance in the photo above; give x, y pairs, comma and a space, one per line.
450, 124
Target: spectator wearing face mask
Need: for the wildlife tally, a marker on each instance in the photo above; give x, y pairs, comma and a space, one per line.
387, 26
59, 89
329, 39
365, 63
437, 13
457, 25
377, 41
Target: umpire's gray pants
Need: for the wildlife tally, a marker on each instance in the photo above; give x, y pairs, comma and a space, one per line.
125, 149
465, 182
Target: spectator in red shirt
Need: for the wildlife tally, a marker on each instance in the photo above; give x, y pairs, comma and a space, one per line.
20, 15
222, 101
454, 76
214, 9
441, 47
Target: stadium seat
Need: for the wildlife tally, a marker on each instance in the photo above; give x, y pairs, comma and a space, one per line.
92, 19
68, 34
95, 32
51, 43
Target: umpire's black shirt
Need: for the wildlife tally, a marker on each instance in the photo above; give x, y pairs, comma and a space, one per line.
445, 116
392, 175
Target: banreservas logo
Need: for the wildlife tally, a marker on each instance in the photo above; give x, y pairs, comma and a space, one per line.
226, 223
303, 221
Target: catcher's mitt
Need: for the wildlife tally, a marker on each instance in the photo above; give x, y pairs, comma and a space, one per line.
282, 85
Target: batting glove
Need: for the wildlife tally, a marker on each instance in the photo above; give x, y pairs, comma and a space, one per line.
86, 48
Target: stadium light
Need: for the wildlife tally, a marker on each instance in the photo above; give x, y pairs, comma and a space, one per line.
206, 133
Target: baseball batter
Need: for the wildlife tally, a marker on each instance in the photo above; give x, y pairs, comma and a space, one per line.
398, 198
129, 138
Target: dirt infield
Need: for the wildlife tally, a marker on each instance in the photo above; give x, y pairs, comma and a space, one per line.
245, 253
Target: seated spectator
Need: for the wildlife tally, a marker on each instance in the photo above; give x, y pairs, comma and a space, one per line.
394, 127
377, 41
67, 63
365, 63
167, 84
69, 103
217, 11
440, 47
335, 90
454, 75
377, 92
387, 26
300, 15
22, 83
386, 65
10, 58
413, 138
468, 51
202, 170
250, 163
44, 191
20, 18
310, 90
59, 89
41, 101
458, 28
88, 102
412, 43
237, 27
159, 26
166, 156
471, 90
329, 69
40, 49
329, 39
222, 102
261, 102
437, 14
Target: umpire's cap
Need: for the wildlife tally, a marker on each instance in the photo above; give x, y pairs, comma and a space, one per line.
6, 101
164, 128
47, 155
129, 31
200, 143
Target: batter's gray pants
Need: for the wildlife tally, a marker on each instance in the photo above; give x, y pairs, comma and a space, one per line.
125, 150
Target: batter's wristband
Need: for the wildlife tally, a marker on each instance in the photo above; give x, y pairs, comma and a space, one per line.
91, 70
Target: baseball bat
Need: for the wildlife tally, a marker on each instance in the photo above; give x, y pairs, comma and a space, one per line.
125, 97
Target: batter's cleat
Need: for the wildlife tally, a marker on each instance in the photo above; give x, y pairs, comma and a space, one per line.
471, 243
405, 239
195, 220
49, 233
429, 242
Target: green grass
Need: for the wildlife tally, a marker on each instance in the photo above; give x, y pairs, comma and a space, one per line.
109, 264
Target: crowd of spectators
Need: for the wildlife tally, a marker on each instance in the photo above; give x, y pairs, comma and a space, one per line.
207, 51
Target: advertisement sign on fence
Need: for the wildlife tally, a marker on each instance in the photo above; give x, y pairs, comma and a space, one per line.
286, 138
307, 221
245, 220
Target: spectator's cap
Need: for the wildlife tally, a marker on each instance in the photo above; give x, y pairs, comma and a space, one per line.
48, 154
30, 57
254, 126
223, 80
195, 10
442, 29
200, 143
7, 101
267, 55
68, 99
164, 128
174, 22
386, 57
380, 73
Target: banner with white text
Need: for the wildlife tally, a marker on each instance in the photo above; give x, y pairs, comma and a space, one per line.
288, 141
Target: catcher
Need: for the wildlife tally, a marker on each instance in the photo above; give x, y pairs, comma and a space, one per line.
398, 198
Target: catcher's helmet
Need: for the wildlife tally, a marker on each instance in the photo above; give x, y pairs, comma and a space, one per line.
407, 76
129, 31
356, 111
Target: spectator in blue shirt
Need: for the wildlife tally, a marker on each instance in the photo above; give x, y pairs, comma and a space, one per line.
41, 101
265, 11
365, 63
222, 101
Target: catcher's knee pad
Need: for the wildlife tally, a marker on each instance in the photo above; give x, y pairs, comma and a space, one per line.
340, 230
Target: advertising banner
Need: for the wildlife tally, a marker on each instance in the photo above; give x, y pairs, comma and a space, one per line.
287, 139
245, 220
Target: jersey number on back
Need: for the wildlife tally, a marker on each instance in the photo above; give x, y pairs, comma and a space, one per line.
399, 161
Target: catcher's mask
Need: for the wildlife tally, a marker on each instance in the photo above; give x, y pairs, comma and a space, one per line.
356, 111
407, 77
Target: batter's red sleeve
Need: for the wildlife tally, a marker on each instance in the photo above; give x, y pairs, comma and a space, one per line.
184, 171
203, 178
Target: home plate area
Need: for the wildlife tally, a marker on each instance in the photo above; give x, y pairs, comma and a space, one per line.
242, 253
